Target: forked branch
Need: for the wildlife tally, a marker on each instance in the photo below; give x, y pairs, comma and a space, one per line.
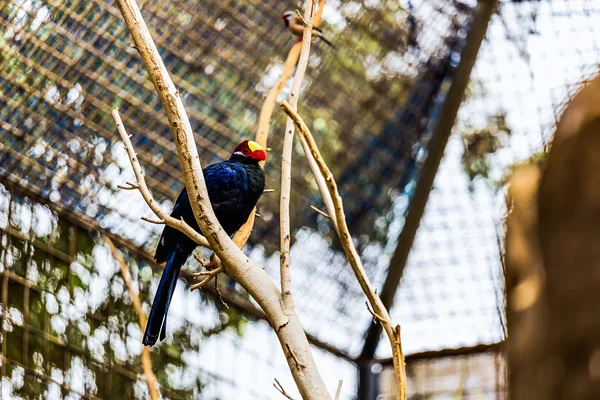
247, 273
379, 311
165, 218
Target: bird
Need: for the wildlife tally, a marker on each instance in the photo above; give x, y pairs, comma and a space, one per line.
295, 25
234, 187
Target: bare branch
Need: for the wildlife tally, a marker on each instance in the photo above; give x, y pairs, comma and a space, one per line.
338, 392
219, 295
137, 305
203, 262
248, 274
320, 212
281, 390
208, 277
143, 188
376, 317
379, 311
129, 185
301, 17
264, 119
153, 221
286, 163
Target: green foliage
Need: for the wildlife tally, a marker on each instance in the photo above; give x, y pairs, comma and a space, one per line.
481, 144
69, 310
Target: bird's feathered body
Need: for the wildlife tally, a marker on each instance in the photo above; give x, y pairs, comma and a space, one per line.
234, 187
293, 23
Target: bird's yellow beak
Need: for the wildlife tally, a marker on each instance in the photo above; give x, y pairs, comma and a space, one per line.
254, 146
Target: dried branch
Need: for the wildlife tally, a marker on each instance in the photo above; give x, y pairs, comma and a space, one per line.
338, 392
379, 311
324, 214
143, 188
376, 317
208, 277
137, 306
286, 163
281, 390
219, 294
266, 112
248, 274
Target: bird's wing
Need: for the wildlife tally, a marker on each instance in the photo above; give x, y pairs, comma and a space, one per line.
224, 182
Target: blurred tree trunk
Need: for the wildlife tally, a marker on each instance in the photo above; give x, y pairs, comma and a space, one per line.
553, 263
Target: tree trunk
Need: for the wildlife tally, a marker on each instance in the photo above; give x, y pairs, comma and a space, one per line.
553, 263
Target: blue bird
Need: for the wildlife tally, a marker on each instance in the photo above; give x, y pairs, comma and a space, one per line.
234, 187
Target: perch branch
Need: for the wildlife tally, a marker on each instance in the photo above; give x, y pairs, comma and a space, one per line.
281, 390
143, 188
286, 163
266, 113
379, 310
137, 305
208, 277
247, 273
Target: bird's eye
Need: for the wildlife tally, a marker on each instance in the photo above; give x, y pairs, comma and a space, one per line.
246, 151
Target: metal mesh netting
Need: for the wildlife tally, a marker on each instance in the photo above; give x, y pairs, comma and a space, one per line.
65, 64
69, 329
371, 104
535, 56
476, 376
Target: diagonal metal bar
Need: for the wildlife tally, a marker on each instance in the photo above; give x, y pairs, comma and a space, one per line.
437, 145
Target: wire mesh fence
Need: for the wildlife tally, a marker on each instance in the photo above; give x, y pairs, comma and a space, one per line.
68, 328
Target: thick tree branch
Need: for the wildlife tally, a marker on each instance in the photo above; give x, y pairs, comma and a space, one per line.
137, 306
165, 218
379, 311
249, 275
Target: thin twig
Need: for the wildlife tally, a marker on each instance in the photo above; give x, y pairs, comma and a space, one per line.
268, 190
376, 317
206, 264
219, 295
143, 188
137, 305
153, 221
302, 20
338, 392
281, 390
286, 164
323, 213
207, 277
379, 310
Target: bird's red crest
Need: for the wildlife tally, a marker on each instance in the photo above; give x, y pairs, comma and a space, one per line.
251, 149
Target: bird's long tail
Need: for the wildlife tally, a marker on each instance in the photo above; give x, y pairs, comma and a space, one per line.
320, 36
157, 320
